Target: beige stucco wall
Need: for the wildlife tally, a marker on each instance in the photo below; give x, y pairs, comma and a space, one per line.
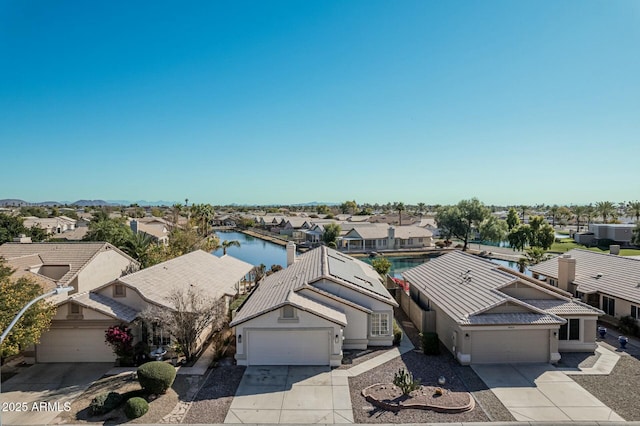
355, 333
62, 313
132, 297
623, 307
521, 291
587, 342
105, 267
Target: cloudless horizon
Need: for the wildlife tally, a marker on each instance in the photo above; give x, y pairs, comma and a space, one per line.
285, 102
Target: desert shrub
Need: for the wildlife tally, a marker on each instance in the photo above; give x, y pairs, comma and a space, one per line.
430, 343
136, 407
628, 325
440, 244
156, 376
397, 333
405, 381
105, 402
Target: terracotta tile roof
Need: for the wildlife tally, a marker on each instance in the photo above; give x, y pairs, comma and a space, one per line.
211, 275
75, 255
315, 265
617, 276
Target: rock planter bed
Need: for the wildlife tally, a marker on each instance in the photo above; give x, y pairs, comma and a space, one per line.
389, 397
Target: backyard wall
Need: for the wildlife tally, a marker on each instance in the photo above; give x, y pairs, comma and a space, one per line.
425, 321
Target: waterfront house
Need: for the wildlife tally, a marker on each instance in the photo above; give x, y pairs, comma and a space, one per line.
306, 314
485, 313
380, 237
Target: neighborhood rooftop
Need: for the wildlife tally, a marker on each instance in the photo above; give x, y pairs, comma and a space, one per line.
211, 275
614, 275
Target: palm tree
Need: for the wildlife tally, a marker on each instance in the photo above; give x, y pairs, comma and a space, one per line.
422, 207
399, 206
524, 209
605, 209
226, 244
633, 208
589, 213
137, 247
579, 212
553, 211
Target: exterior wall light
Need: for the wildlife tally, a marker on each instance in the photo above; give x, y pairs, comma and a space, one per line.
239, 338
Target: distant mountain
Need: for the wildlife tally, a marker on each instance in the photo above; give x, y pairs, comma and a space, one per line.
316, 203
143, 203
13, 202
91, 203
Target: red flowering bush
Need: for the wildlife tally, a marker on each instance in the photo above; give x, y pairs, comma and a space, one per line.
120, 339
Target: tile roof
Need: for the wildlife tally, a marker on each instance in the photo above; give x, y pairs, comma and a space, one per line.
211, 275
76, 255
105, 305
372, 231
314, 265
466, 286
563, 307
617, 276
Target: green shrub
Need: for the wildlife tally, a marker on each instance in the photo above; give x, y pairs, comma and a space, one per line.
236, 303
628, 325
105, 402
156, 376
136, 407
430, 343
397, 333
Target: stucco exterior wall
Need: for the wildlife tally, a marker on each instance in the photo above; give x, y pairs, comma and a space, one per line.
62, 313
273, 320
132, 298
105, 267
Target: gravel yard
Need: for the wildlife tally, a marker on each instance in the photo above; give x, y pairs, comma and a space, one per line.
618, 390
352, 358
428, 369
212, 402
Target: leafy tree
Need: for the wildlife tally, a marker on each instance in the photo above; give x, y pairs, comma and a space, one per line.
34, 211
183, 241
226, 244
114, 231
14, 295
493, 229
537, 233
192, 314
519, 236
331, 233
10, 228
563, 214
460, 219
245, 223
635, 239
605, 209
323, 209
512, 219
382, 265
348, 207
156, 212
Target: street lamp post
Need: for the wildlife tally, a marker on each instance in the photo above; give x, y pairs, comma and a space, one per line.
56, 291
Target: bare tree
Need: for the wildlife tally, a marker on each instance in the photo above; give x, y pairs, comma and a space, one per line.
192, 315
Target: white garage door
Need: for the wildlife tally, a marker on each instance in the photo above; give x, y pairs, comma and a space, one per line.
74, 345
509, 346
288, 347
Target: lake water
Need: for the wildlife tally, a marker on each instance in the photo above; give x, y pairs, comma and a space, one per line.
253, 250
256, 251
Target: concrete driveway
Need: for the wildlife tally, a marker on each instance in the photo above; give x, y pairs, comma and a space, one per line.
291, 394
539, 392
38, 394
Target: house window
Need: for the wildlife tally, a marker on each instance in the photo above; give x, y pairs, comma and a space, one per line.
75, 309
553, 282
571, 330
635, 312
379, 324
159, 337
119, 290
609, 305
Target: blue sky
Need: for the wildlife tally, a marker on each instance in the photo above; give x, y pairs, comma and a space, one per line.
513, 102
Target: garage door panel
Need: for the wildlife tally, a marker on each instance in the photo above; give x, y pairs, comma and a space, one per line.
510, 346
74, 345
289, 347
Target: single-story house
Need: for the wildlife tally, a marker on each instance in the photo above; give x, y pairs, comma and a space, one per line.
489, 314
157, 231
51, 225
379, 237
606, 281
307, 313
